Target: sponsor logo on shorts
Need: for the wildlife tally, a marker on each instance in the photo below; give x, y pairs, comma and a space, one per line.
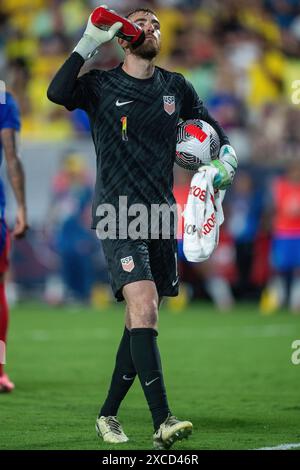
127, 264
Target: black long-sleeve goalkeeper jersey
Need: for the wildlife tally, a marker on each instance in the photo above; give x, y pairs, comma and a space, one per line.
133, 124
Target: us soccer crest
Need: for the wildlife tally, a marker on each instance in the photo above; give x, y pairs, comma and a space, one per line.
169, 104
127, 264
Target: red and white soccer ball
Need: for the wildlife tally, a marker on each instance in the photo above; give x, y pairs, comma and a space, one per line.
197, 144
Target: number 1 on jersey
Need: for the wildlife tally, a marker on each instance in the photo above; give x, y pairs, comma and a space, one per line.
124, 128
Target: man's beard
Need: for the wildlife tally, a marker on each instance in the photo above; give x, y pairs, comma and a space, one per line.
148, 50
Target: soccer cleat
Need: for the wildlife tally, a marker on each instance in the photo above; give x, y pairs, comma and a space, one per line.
170, 431
109, 428
6, 386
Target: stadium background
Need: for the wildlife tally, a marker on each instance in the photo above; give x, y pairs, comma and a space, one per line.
242, 58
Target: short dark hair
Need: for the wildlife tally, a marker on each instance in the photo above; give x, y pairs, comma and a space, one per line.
144, 9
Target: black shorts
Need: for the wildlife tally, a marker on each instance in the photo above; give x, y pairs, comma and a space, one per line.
136, 260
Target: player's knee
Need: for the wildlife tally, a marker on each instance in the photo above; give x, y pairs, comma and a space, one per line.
143, 303
143, 313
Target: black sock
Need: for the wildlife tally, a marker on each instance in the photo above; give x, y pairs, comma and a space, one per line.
146, 359
122, 378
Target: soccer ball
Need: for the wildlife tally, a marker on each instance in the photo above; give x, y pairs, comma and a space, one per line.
197, 144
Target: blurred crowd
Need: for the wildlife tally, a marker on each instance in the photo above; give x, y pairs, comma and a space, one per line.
243, 58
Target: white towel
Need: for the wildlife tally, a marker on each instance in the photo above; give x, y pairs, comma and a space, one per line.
203, 216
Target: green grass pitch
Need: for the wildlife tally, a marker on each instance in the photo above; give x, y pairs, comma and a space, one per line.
231, 375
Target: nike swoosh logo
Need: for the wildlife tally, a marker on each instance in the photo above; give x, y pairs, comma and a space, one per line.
151, 382
174, 282
128, 378
118, 103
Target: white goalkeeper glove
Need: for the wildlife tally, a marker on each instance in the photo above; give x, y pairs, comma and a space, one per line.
226, 164
94, 37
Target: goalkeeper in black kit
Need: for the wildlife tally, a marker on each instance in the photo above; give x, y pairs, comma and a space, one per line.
134, 110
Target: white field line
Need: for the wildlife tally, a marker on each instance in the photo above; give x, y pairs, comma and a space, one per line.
244, 331
249, 331
281, 447
44, 335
